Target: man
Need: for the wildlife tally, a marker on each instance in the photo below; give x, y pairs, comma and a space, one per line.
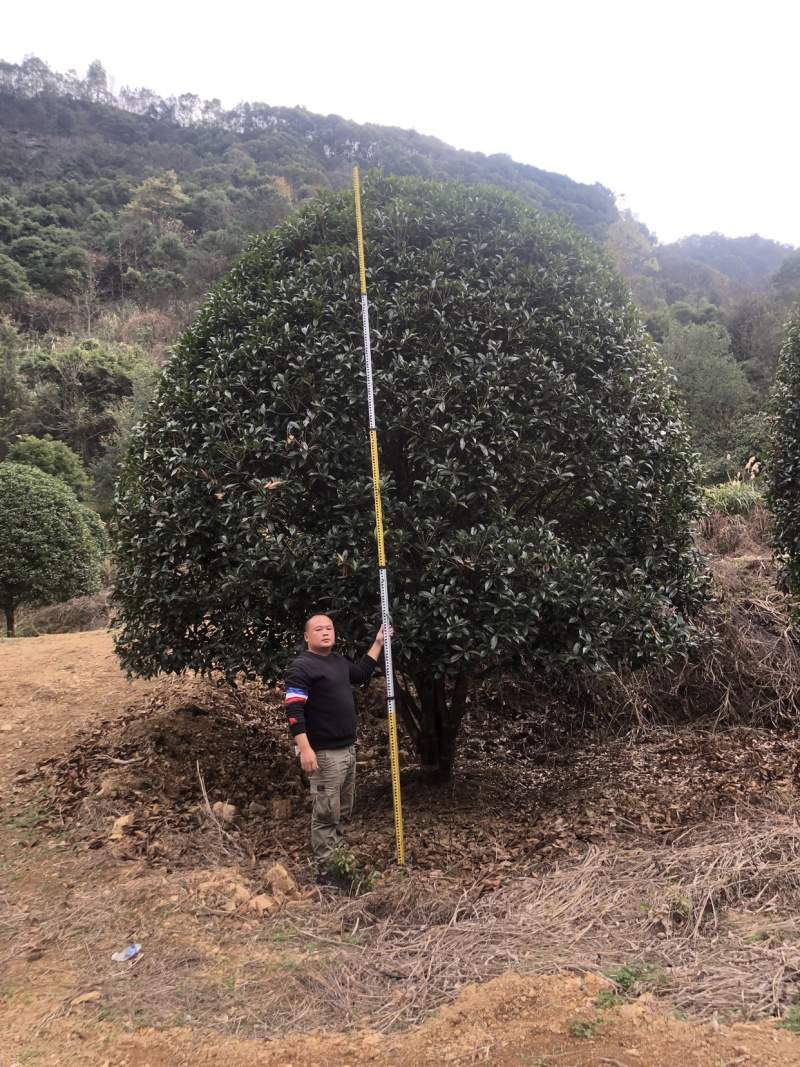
322, 719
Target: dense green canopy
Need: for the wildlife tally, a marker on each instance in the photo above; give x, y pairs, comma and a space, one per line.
54, 458
783, 469
538, 479
47, 552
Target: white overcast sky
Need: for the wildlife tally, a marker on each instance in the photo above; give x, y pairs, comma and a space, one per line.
687, 109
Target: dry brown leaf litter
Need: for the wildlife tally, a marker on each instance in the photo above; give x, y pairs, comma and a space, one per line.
137, 785
533, 861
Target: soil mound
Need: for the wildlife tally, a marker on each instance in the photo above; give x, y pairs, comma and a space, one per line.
191, 748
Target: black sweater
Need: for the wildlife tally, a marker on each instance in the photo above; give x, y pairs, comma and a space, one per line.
319, 697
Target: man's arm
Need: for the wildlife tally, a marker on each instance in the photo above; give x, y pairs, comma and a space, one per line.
296, 697
361, 672
377, 645
308, 757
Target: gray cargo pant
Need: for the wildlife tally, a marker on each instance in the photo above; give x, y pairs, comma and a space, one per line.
333, 790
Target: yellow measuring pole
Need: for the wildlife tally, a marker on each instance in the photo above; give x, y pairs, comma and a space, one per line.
384, 584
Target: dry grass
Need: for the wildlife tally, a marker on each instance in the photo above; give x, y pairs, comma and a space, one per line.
154, 331
710, 917
72, 616
709, 921
748, 672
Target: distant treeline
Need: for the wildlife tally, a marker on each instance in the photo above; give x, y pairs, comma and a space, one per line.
119, 211
314, 149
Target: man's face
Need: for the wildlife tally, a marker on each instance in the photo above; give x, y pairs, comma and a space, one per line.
320, 635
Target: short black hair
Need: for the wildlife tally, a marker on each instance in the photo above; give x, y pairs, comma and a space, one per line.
313, 615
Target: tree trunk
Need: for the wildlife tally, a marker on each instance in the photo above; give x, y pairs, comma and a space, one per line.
9, 610
433, 720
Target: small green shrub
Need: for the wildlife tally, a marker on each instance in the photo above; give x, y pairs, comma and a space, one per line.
791, 1020
47, 553
580, 1029
54, 458
607, 998
343, 868
636, 978
734, 498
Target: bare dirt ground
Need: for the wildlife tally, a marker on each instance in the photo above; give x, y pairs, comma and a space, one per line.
579, 901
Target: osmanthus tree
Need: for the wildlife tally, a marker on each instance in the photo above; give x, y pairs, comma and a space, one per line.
47, 551
783, 467
538, 480
54, 458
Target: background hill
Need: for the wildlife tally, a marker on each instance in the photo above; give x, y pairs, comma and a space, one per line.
119, 212
172, 188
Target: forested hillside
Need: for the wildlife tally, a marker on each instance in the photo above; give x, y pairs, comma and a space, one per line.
151, 199
717, 306
119, 212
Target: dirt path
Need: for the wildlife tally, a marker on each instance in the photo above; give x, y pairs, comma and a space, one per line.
202, 987
53, 686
